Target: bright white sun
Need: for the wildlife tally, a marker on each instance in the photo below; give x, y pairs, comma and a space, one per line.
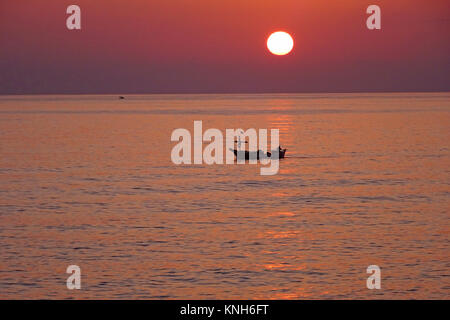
280, 43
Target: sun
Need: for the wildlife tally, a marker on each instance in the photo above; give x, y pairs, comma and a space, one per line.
280, 43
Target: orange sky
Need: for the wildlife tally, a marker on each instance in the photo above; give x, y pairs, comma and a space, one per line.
219, 46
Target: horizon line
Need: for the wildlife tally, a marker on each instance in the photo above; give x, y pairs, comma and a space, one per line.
224, 93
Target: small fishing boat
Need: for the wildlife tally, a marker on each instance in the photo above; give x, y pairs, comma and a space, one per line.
244, 154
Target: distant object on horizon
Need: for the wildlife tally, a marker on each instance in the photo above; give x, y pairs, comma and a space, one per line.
121, 97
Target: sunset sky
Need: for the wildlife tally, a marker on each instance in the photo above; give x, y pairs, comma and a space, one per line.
204, 46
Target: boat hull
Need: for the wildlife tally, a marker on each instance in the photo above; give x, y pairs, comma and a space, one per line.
246, 155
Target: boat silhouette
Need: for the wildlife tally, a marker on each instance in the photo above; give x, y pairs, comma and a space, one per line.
247, 155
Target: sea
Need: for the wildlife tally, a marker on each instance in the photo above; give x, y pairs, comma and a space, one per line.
88, 180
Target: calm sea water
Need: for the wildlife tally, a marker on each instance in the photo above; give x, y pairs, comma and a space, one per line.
88, 180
